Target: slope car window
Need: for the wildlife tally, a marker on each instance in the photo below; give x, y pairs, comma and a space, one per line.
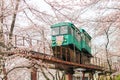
75, 34
88, 41
70, 31
83, 36
78, 37
55, 31
63, 30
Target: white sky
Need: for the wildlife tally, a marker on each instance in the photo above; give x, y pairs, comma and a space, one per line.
41, 5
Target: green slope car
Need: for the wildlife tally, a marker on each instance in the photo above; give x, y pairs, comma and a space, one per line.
65, 33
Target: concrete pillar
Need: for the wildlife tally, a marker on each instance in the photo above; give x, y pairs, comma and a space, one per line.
91, 75
96, 76
69, 74
99, 76
113, 77
34, 74
4, 72
83, 77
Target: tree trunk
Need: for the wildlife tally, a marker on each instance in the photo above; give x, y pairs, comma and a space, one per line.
107, 53
1, 27
13, 24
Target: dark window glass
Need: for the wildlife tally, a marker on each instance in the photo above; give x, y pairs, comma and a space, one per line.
87, 41
64, 30
55, 31
78, 37
83, 36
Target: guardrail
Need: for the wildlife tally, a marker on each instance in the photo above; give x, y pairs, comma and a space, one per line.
28, 43
102, 63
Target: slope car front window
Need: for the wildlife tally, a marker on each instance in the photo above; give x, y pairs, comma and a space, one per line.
55, 31
64, 30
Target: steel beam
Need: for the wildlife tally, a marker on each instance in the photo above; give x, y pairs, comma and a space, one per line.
53, 60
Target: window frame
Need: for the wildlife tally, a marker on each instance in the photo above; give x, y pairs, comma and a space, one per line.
61, 33
83, 36
88, 41
70, 31
77, 35
55, 30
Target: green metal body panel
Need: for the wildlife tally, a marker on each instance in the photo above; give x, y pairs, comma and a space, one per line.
71, 39
68, 39
84, 46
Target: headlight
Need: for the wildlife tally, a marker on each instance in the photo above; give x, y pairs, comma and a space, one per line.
65, 39
53, 41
